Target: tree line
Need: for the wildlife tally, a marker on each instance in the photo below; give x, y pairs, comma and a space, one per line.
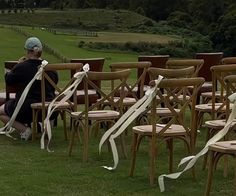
215, 18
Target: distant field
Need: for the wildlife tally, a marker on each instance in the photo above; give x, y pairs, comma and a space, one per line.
12, 48
128, 37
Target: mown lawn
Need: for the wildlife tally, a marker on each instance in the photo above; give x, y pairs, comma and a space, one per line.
28, 170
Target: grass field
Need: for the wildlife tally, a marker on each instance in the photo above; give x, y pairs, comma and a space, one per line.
28, 170
131, 37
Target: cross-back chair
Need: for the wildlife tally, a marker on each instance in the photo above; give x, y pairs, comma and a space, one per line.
176, 127
217, 107
229, 60
134, 89
210, 59
164, 112
95, 64
65, 71
213, 126
155, 60
115, 81
218, 150
183, 63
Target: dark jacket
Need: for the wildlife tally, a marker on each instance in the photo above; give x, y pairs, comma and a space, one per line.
21, 75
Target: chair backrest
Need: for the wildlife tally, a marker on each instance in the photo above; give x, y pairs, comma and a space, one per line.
65, 71
10, 89
230, 82
168, 92
156, 61
114, 81
138, 83
219, 72
229, 60
96, 64
183, 63
171, 73
210, 59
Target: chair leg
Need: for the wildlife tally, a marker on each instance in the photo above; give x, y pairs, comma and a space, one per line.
34, 126
72, 138
63, 115
210, 174
153, 152
134, 152
206, 155
85, 144
225, 172
123, 146
235, 176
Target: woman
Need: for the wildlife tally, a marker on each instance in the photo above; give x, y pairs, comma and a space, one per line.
21, 75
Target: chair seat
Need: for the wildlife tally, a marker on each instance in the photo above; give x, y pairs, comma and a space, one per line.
208, 107
164, 111
218, 124
127, 101
174, 130
209, 94
99, 115
65, 105
228, 147
206, 87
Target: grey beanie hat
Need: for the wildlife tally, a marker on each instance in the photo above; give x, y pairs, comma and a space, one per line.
33, 43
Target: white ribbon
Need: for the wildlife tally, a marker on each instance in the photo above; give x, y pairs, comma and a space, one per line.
67, 93
7, 130
192, 159
133, 112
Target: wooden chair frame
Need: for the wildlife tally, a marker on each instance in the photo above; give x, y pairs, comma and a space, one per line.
183, 63
175, 128
139, 83
42, 106
93, 113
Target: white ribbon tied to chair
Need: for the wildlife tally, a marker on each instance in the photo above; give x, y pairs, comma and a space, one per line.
192, 159
67, 93
133, 112
7, 128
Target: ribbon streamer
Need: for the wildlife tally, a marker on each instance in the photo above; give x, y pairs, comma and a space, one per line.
133, 112
67, 93
192, 159
7, 130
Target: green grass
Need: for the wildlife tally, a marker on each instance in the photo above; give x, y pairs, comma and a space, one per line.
28, 170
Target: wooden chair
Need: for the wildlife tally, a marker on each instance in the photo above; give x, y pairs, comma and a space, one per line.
217, 107
156, 61
183, 63
213, 126
229, 60
134, 88
216, 151
176, 127
210, 59
95, 64
163, 112
66, 70
93, 113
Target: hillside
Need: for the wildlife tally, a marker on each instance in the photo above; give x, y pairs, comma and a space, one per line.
89, 19
159, 38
